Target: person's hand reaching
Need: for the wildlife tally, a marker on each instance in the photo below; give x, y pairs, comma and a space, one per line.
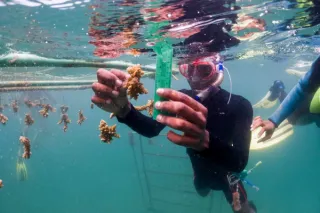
110, 92
266, 127
191, 119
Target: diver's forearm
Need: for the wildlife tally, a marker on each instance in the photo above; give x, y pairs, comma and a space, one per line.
141, 123
294, 98
289, 104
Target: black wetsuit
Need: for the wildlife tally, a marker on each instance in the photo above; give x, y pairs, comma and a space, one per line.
230, 136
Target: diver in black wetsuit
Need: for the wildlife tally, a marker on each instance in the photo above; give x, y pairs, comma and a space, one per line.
216, 127
216, 130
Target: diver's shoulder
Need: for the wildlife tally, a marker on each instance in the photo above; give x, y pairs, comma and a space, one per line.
186, 91
241, 100
239, 103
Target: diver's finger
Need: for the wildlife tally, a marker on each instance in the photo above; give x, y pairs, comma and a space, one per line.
180, 124
102, 90
182, 140
123, 76
256, 124
174, 95
182, 110
108, 78
257, 117
267, 137
261, 132
100, 102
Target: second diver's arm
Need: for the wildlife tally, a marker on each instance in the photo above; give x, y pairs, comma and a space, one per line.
141, 123
306, 85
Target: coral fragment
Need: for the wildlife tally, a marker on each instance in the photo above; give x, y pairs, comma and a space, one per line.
3, 119
107, 132
133, 86
28, 120
27, 147
29, 103
65, 119
64, 109
148, 107
15, 106
236, 201
81, 118
45, 110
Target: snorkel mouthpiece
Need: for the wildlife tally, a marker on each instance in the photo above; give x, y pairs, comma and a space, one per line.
220, 66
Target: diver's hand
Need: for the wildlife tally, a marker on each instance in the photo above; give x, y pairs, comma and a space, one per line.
266, 126
191, 119
110, 93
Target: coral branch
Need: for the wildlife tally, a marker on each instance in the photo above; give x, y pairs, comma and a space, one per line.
29, 103
107, 132
3, 119
65, 119
148, 107
27, 147
236, 201
64, 109
81, 118
133, 86
15, 106
45, 110
28, 120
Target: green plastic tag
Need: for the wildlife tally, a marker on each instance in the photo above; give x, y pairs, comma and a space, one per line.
163, 74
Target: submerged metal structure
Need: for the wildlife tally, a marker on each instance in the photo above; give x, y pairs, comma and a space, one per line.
156, 196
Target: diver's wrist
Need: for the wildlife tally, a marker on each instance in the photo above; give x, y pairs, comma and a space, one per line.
275, 125
203, 143
124, 111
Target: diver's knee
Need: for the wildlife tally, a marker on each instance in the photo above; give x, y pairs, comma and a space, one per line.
202, 189
247, 207
203, 192
278, 84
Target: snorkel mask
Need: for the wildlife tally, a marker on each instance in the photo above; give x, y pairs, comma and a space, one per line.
203, 75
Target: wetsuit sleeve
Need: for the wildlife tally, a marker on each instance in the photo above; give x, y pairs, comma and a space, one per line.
233, 156
306, 85
141, 123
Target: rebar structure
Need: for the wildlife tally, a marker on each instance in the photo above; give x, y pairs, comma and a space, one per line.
144, 173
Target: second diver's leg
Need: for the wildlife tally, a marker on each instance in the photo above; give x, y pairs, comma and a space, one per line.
277, 91
201, 177
201, 186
